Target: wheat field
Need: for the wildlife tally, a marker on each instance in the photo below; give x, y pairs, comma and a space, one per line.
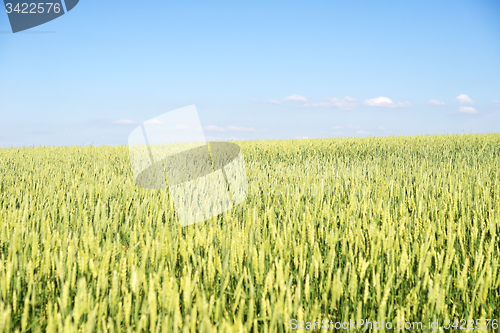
394, 229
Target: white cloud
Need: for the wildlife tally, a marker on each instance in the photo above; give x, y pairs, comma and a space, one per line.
134, 122
496, 101
381, 128
435, 102
153, 122
215, 138
230, 128
272, 101
467, 109
240, 129
464, 99
346, 103
295, 98
126, 122
213, 128
385, 102
10, 144
337, 127
301, 137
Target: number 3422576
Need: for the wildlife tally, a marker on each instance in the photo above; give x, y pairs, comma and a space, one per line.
33, 8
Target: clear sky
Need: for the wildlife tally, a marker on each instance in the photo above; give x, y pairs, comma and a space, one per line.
254, 69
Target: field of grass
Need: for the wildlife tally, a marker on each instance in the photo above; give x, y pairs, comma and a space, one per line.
399, 229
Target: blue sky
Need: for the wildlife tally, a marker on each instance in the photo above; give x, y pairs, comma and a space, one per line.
254, 69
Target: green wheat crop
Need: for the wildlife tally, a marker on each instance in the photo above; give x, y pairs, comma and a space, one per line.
390, 228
